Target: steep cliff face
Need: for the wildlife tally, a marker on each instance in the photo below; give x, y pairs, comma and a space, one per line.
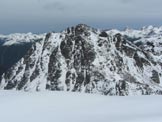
84, 59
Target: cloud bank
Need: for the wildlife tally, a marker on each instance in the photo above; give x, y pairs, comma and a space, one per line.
46, 15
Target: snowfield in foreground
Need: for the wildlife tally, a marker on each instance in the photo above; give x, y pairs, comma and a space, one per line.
76, 107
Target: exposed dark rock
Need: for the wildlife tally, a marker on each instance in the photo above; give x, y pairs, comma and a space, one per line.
140, 61
103, 34
131, 39
10, 85
82, 29
54, 72
155, 76
66, 48
121, 88
35, 73
129, 51
119, 40
47, 36
150, 44
23, 81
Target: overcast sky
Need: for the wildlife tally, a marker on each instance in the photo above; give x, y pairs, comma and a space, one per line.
40, 16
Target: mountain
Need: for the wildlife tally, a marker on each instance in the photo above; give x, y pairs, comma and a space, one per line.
13, 47
84, 59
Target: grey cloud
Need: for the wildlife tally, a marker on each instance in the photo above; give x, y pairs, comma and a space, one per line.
40, 15
55, 6
126, 1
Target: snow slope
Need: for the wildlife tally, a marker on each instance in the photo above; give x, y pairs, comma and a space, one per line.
76, 107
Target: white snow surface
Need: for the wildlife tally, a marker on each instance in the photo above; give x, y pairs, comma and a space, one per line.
77, 107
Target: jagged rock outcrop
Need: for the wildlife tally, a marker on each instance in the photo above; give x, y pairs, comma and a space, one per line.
84, 59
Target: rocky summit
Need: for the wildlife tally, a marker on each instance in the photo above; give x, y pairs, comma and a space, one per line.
84, 59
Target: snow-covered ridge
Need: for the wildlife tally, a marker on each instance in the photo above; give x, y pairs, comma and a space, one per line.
84, 59
19, 38
148, 38
143, 32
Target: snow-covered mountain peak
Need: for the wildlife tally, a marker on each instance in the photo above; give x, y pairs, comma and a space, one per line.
146, 28
84, 59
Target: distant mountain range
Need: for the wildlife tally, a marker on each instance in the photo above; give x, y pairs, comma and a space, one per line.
84, 59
